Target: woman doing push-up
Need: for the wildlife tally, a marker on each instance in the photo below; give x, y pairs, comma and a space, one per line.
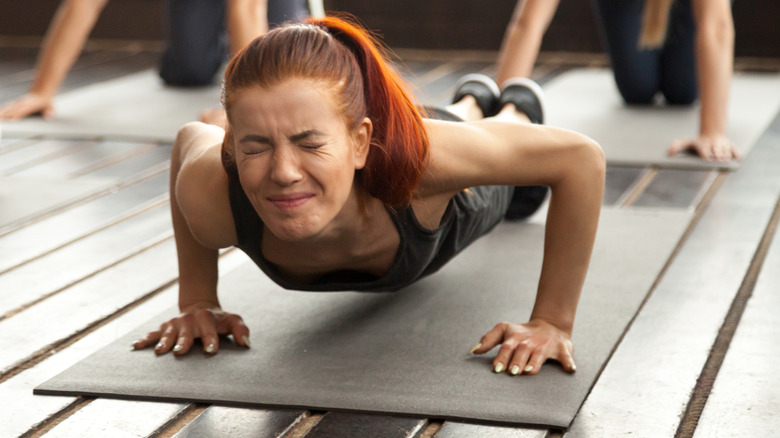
330, 178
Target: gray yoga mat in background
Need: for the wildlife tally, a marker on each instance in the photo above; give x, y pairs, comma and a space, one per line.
587, 101
405, 352
136, 106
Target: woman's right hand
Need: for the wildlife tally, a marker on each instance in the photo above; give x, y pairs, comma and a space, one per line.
206, 323
27, 105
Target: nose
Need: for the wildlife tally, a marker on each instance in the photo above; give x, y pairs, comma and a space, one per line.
285, 168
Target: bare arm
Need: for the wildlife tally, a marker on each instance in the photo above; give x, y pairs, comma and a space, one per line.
523, 38
499, 152
714, 65
197, 180
246, 20
64, 41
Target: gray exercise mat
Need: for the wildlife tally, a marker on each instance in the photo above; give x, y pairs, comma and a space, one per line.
402, 353
137, 106
587, 101
23, 199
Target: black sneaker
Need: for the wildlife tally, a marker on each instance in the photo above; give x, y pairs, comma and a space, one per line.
482, 88
526, 96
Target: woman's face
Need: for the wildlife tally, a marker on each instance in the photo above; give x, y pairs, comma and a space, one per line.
296, 156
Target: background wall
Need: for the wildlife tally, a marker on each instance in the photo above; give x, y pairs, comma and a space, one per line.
429, 24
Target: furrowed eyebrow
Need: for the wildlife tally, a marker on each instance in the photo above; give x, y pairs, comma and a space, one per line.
255, 138
304, 134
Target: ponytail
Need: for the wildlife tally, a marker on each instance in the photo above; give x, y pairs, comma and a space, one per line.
655, 20
399, 142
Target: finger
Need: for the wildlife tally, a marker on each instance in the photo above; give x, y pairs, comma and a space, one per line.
184, 341
504, 356
677, 147
535, 362
150, 339
166, 341
735, 153
239, 330
492, 338
567, 361
207, 327
519, 361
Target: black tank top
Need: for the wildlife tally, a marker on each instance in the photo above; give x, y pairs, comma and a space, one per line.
421, 252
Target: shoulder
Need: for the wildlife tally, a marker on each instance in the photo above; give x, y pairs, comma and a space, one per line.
200, 187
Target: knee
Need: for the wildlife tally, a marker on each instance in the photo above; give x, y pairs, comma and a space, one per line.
638, 95
187, 72
681, 97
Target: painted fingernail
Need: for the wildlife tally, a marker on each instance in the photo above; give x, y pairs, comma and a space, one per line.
475, 348
245, 340
528, 368
514, 370
178, 348
159, 346
211, 348
573, 367
499, 367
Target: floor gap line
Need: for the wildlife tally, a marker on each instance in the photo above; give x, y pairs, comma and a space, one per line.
720, 347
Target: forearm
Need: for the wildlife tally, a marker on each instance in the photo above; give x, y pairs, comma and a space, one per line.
572, 221
246, 20
64, 41
714, 61
523, 38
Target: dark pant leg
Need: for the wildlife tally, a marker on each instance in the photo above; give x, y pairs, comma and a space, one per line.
637, 72
196, 42
281, 11
678, 74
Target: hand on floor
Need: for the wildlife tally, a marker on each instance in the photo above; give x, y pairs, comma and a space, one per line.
27, 105
525, 347
709, 147
179, 333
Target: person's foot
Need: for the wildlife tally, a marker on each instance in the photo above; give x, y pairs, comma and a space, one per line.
483, 89
526, 96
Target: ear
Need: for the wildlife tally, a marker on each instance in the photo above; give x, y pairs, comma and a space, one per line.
361, 137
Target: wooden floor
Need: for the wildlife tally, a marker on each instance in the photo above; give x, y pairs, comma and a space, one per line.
86, 254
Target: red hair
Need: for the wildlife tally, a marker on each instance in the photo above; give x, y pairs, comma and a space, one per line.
349, 59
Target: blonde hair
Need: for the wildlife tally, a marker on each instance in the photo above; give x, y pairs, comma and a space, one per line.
655, 20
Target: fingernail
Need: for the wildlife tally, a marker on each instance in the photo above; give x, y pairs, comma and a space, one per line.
177, 348
159, 346
475, 348
132, 346
211, 348
573, 367
528, 368
245, 340
514, 370
499, 367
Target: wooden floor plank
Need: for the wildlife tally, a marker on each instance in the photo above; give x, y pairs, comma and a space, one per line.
745, 398
116, 419
676, 188
42, 237
38, 152
618, 181
17, 391
154, 158
451, 429
70, 164
83, 258
218, 421
646, 385
84, 303
349, 425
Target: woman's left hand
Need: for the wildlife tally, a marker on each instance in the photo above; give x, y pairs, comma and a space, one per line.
525, 347
709, 147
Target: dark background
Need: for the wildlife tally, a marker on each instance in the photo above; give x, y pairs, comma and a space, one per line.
425, 24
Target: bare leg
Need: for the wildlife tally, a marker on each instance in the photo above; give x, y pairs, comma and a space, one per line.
466, 108
510, 113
